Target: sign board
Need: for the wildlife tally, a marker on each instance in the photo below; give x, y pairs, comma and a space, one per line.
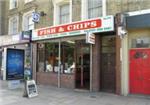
31, 88
14, 64
35, 17
90, 38
13, 84
25, 35
103, 24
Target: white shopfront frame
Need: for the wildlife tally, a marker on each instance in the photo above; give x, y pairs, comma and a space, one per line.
102, 24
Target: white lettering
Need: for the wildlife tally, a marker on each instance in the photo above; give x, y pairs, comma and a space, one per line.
61, 29
53, 30
93, 24
69, 28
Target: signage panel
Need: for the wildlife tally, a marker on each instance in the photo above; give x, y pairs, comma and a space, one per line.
90, 38
102, 24
14, 64
31, 88
25, 35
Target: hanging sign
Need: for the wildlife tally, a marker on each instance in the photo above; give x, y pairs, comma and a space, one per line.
90, 38
35, 17
25, 35
103, 24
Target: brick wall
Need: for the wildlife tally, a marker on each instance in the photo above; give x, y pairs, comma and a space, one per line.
45, 78
67, 81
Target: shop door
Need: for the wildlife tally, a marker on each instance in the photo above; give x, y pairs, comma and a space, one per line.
140, 71
107, 74
82, 74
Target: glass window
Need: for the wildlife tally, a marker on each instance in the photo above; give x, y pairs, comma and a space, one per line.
13, 4
13, 28
143, 42
28, 24
64, 14
67, 57
26, 1
48, 57
94, 8
51, 57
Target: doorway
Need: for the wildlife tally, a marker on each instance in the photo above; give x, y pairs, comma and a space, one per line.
107, 72
140, 71
82, 74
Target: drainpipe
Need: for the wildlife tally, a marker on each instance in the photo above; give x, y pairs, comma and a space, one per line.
59, 63
91, 71
103, 8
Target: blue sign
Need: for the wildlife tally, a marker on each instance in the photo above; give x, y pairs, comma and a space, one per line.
35, 17
15, 64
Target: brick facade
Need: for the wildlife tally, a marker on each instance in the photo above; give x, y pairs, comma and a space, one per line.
46, 6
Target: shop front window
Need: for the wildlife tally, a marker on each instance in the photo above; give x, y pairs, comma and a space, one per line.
48, 57
51, 57
67, 57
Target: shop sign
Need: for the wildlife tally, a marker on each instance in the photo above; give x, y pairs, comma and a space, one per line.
31, 88
35, 17
90, 38
25, 35
12, 39
102, 24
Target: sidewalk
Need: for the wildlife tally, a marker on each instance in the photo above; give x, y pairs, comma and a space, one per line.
54, 96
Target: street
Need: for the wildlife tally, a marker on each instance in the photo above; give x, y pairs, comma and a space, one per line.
49, 95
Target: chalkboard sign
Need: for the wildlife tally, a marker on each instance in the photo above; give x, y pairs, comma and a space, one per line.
31, 88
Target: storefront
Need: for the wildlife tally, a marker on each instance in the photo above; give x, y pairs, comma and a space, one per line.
136, 65
65, 58
18, 42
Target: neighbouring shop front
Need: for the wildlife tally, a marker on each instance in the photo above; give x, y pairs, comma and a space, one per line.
15, 48
136, 67
65, 57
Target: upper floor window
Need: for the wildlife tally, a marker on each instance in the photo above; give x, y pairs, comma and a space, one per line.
13, 4
64, 13
28, 24
94, 8
13, 25
26, 1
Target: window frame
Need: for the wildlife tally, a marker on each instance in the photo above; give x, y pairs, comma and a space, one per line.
25, 25
92, 9
28, 1
11, 27
57, 4
11, 4
63, 14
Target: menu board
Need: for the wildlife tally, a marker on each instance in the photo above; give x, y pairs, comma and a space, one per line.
31, 88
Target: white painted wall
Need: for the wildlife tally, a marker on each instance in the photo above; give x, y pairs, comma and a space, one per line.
124, 66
